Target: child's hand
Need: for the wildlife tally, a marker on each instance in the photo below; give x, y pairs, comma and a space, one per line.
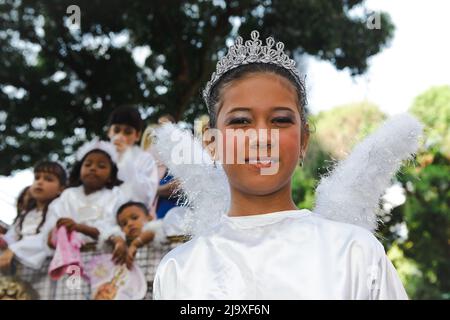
68, 223
132, 249
120, 251
5, 259
3, 243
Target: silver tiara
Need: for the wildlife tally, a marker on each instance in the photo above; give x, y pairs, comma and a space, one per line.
252, 52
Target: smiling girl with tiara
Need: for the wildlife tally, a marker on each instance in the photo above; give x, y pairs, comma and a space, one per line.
264, 247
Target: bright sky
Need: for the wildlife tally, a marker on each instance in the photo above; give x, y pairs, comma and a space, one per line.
418, 58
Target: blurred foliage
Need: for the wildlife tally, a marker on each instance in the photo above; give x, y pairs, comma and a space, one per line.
433, 109
341, 128
59, 83
427, 217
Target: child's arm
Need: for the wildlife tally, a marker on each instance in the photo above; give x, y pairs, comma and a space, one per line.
3, 243
120, 249
5, 259
71, 225
137, 243
87, 230
166, 190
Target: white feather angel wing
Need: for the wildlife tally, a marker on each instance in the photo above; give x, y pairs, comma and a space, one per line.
352, 191
203, 185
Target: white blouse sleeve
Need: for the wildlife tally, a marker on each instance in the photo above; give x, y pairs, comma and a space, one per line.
387, 284
11, 235
165, 283
141, 178
373, 275
30, 250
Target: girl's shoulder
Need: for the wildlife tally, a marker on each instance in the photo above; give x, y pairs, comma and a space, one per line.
71, 191
346, 233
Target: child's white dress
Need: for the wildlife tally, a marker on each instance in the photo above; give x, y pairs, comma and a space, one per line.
138, 169
97, 210
281, 255
31, 250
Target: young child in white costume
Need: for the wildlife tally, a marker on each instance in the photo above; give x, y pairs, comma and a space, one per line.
136, 167
25, 240
90, 203
265, 247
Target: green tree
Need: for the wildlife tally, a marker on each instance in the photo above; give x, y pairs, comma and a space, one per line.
340, 128
426, 211
59, 83
433, 108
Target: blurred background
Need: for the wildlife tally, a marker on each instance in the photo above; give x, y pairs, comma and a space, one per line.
64, 65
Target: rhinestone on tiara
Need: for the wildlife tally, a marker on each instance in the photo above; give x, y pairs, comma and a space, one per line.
252, 51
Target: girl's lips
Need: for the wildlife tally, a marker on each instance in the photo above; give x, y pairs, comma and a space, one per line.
261, 162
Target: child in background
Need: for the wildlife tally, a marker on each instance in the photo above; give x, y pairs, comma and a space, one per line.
135, 221
88, 206
136, 167
25, 239
167, 184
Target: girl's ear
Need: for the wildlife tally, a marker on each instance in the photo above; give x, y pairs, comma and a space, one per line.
304, 140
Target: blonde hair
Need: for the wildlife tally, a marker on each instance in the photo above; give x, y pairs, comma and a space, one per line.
148, 136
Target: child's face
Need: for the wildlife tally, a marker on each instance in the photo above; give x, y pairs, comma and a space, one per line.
123, 136
95, 171
131, 221
45, 187
261, 101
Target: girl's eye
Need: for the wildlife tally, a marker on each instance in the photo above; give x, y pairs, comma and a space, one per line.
282, 120
240, 120
128, 131
116, 129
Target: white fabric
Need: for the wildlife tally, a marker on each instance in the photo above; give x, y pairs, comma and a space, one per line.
31, 249
282, 255
175, 222
139, 171
155, 226
97, 210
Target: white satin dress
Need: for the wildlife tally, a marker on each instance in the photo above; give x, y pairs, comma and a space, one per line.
281, 255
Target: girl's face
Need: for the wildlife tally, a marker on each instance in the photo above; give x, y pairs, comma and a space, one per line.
45, 187
123, 136
95, 171
131, 221
268, 102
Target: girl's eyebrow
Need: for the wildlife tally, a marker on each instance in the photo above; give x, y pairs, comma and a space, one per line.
281, 108
238, 109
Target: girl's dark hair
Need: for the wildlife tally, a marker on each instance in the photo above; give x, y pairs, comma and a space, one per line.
140, 205
75, 181
22, 204
24, 207
126, 115
244, 70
